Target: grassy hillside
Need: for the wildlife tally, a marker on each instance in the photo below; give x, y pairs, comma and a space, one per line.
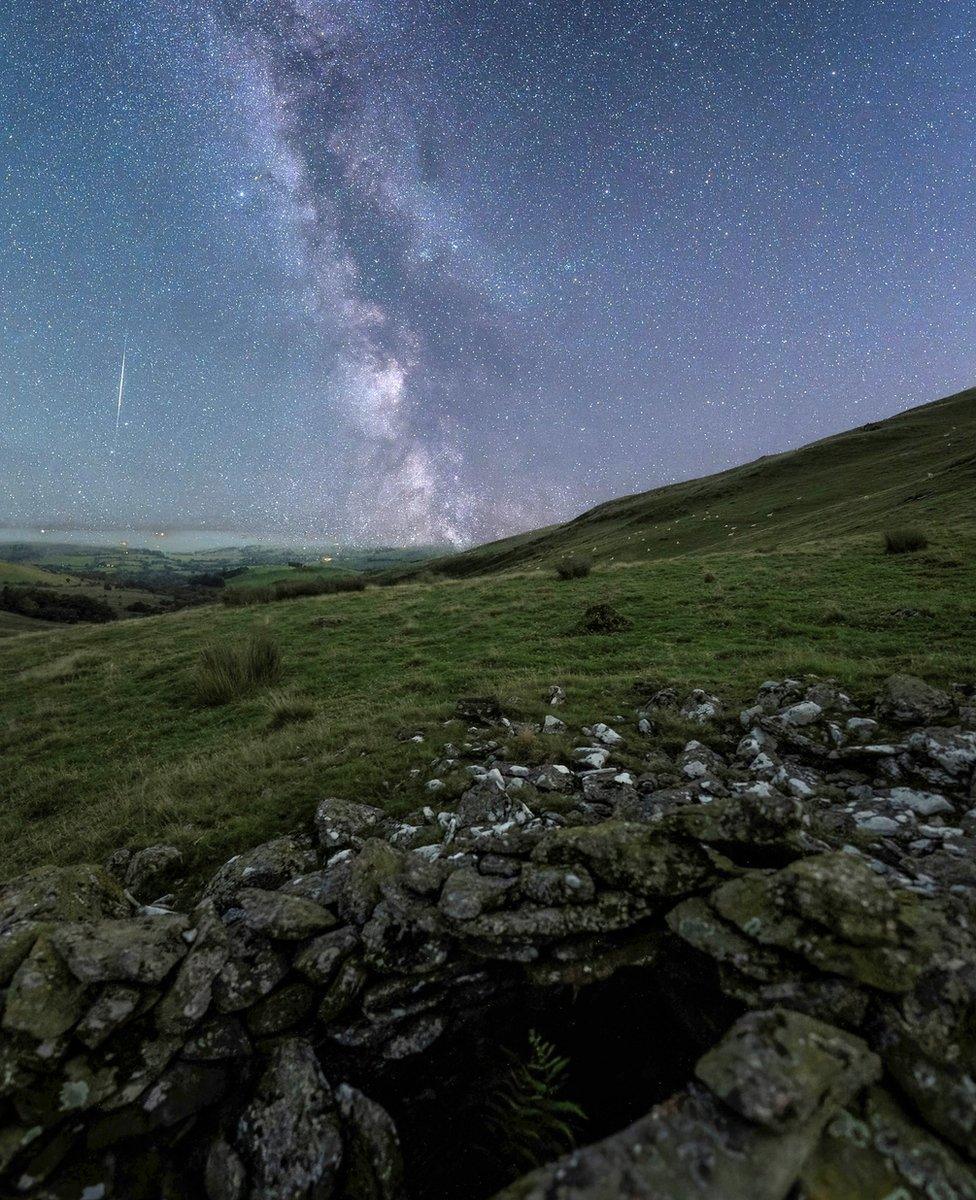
101, 744
915, 468
28, 575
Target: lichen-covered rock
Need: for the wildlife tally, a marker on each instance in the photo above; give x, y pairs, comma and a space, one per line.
225, 1177
533, 924
82, 893
372, 1162
556, 885
282, 1010
760, 816
151, 871
906, 700
115, 1004
320, 959
349, 981
266, 866
948, 749
467, 894
340, 824
777, 1068
833, 911
281, 917
872, 1150
928, 1042
289, 1134
189, 997
629, 856
140, 950
253, 969
405, 936
376, 864
45, 999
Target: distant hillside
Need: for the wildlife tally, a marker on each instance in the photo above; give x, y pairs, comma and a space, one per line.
26, 574
918, 467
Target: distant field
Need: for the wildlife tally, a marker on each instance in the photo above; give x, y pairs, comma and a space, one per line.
259, 577
100, 744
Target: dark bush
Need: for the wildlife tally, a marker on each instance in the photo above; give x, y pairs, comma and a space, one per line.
207, 581
603, 618
50, 605
574, 567
904, 541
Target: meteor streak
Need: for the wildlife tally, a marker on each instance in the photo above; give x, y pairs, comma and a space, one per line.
118, 410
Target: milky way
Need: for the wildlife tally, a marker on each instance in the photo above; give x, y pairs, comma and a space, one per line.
436, 271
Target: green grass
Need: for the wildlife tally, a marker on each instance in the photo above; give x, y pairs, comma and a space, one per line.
916, 469
101, 744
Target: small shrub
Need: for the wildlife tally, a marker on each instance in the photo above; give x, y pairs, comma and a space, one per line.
904, 541
708, 576
227, 671
574, 568
603, 618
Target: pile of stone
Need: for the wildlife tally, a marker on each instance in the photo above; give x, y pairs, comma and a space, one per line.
809, 864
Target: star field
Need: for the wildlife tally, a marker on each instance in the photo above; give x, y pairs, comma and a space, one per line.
430, 270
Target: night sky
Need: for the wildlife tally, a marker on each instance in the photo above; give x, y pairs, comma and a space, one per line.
435, 270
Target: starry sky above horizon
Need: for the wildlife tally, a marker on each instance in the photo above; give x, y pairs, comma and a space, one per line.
410, 271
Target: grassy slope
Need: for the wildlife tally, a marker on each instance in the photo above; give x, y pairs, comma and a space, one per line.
100, 745
27, 575
915, 468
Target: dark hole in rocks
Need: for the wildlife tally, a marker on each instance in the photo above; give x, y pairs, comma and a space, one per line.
626, 1048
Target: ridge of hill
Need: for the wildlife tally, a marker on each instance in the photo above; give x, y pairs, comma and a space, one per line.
915, 468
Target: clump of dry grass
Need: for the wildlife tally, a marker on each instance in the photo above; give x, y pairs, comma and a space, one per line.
286, 708
226, 671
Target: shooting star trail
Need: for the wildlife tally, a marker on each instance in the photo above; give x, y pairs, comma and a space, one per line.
118, 410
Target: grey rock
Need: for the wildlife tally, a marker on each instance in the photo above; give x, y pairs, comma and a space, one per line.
141, 950
225, 1177
282, 917
907, 700
342, 823
149, 872
467, 894
777, 1068
372, 1161
190, 995
267, 866
289, 1134
320, 959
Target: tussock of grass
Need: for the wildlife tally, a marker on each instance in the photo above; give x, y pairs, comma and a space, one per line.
228, 672
285, 708
576, 567
905, 541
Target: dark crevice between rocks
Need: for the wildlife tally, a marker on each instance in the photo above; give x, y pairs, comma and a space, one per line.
626, 1050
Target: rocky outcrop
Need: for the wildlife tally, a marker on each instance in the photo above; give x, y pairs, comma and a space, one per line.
798, 885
